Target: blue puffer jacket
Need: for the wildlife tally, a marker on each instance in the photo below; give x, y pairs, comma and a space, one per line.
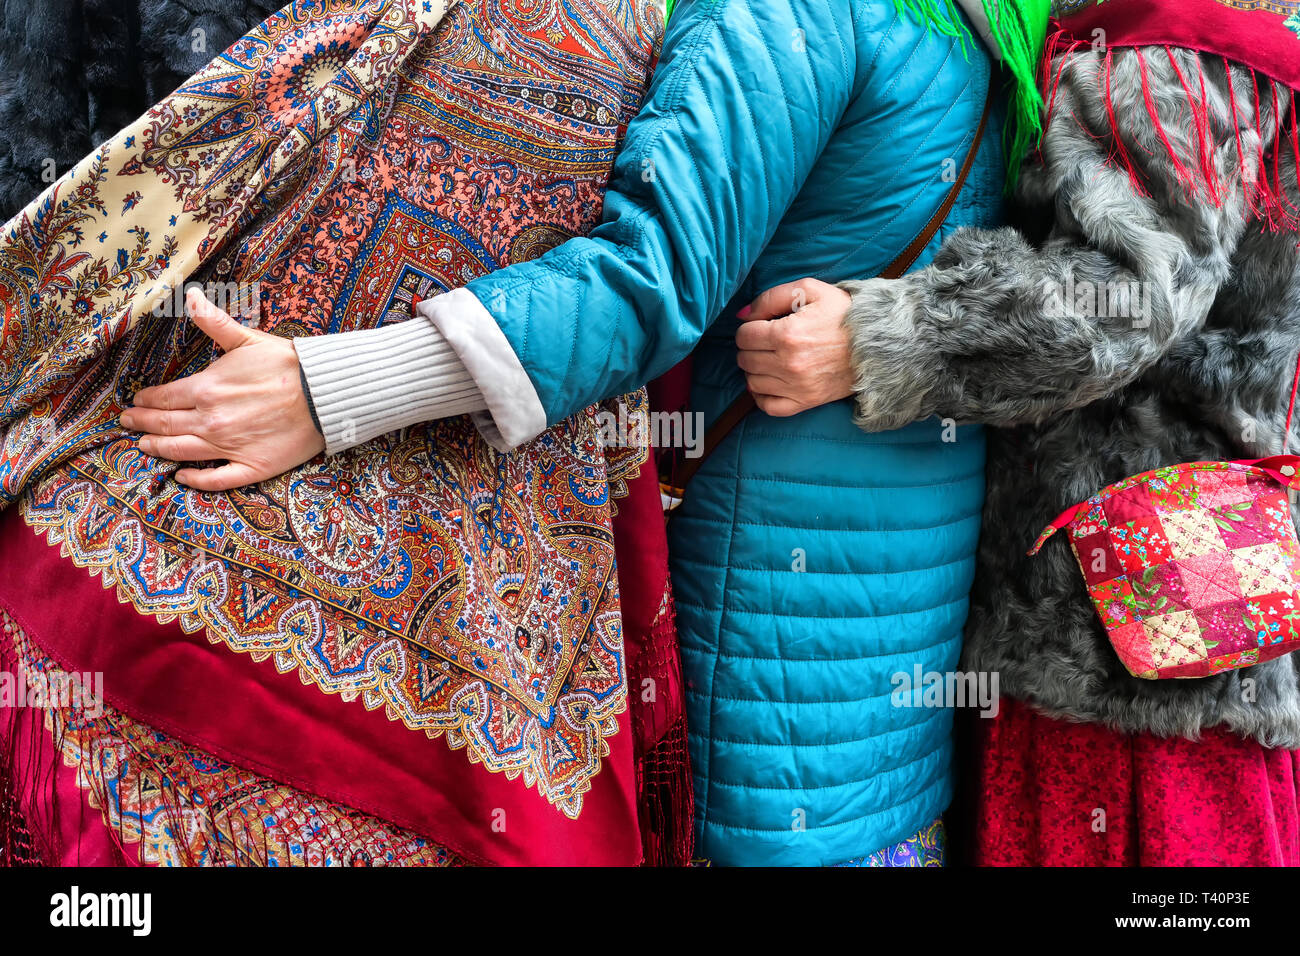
812, 561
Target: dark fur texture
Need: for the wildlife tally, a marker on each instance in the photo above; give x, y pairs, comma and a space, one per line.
75, 72
1087, 401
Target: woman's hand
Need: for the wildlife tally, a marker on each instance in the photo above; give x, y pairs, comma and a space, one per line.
794, 347
247, 407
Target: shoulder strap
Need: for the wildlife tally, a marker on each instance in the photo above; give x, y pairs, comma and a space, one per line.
743, 405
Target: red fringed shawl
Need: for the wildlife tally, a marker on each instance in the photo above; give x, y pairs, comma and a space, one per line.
1263, 35
420, 628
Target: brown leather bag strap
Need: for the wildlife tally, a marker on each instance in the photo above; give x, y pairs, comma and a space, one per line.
898, 268
744, 404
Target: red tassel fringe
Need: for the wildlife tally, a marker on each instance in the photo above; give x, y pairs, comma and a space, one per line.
31, 810
665, 800
664, 789
1266, 196
17, 845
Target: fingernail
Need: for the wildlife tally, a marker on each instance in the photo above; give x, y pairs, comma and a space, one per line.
744, 313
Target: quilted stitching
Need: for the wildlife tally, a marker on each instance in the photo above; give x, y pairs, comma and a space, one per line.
1222, 488
1134, 648
1141, 543
1209, 579
1205, 580
1191, 533
1175, 639
1261, 570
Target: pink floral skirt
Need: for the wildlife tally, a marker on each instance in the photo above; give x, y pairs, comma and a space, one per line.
1046, 792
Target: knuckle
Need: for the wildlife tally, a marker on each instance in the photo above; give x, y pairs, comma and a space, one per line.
215, 422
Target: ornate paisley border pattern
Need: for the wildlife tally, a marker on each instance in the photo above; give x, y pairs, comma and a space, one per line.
355, 158
185, 807
258, 592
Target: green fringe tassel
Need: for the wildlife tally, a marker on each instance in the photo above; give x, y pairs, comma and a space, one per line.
940, 15
1020, 29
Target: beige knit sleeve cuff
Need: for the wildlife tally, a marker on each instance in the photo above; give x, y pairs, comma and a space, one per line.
367, 383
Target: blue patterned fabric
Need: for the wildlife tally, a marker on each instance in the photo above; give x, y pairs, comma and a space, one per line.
811, 561
927, 848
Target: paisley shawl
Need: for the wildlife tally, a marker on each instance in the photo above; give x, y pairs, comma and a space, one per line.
342, 161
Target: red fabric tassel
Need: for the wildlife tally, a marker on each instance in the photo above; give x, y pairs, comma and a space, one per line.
19, 845
1051, 79
1119, 152
1265, 194
664, 789
666, 800
1200, 110
1184, 174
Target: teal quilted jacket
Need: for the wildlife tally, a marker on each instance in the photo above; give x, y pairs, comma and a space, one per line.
812, 561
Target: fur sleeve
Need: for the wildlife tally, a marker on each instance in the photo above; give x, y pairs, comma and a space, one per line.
1000, 331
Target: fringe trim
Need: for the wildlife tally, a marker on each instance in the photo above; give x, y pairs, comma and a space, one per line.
665, 794
666, 800
1266, 196
18, 845
151, 816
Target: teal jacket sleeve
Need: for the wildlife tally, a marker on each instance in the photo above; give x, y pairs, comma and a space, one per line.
746, 95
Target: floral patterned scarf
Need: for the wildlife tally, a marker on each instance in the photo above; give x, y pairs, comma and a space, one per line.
420, 628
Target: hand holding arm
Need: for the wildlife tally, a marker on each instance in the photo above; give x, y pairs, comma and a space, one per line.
794, 347
744, 99
999, 331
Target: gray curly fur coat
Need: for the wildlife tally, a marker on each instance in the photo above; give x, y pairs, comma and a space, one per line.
1081, 401
74, 72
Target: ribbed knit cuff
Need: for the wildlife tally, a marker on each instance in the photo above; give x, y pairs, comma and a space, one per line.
367, 383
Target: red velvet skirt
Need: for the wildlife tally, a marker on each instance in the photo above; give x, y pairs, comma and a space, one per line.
1047, 792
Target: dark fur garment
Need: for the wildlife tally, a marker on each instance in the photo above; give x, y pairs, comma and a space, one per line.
1201, 371
75, 72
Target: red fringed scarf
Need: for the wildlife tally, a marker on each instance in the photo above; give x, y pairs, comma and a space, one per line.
1263, 35
419, 630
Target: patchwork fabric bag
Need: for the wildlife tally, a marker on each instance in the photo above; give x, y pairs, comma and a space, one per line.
1195, 568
